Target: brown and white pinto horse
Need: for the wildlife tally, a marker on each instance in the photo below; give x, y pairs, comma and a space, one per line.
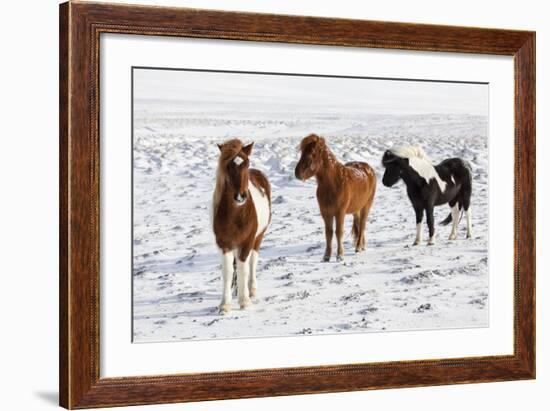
241, 214
341, 189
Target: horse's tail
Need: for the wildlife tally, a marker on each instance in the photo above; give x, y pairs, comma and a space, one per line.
464, 168
447, 220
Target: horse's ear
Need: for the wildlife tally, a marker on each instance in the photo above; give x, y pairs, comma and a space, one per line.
220, 146
248, 149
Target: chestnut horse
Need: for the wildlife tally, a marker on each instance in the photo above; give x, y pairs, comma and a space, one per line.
341, 189
241, 214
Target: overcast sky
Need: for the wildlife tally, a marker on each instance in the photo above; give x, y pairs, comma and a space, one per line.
342, 94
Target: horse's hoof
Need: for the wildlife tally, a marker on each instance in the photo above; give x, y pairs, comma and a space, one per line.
340, 258
245, 303
326, 258
224, 308
452, 237
253, 292
468, 236
431, 242
416, 243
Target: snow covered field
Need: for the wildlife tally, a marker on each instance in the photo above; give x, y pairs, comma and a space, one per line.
392, 286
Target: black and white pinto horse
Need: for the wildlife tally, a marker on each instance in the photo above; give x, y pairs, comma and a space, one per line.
428, 186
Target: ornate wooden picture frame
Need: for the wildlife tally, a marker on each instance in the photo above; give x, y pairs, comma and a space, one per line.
81, 25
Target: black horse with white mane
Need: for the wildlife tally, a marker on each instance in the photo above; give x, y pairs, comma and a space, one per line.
428, 186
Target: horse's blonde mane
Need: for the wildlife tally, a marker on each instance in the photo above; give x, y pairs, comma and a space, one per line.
410, 152
420, 162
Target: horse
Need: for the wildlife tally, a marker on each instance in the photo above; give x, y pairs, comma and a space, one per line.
428, 186
241, 208
341, 189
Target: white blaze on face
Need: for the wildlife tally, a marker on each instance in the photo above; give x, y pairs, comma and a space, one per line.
240, 200
238, 160
261, 203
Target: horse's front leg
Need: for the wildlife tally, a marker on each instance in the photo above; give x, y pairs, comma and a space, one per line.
329, 231
243, 273
227, 278
430, 220
419, 215
340, 235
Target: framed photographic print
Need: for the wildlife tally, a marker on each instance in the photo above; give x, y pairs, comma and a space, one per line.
258, 205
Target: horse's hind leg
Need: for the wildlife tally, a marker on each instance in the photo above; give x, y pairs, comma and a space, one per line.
455, 214
227, 278
363, 222
340, 235
362, 243
468, 211
419, 214
356, 230
252, 284
469, 222
466, 195
430, 221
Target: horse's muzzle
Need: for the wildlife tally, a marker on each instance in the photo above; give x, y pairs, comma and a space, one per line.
299, 174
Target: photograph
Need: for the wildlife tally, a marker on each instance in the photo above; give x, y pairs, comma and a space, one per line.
286, 204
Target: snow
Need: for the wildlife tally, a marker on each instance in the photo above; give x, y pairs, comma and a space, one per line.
392, 286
